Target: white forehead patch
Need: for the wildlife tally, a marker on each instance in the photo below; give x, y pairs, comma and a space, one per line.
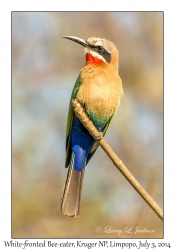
94, 54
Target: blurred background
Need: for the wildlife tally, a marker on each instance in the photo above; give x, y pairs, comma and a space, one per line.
44, 70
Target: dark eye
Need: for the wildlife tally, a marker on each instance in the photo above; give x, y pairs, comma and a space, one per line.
99, 48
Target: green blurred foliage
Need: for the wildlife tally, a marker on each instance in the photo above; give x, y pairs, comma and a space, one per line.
44, 69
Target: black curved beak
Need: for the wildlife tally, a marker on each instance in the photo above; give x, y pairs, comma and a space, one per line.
77, 40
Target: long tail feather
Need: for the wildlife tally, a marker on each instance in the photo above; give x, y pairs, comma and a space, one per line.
70, 203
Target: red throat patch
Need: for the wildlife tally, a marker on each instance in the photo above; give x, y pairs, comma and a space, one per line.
93, 60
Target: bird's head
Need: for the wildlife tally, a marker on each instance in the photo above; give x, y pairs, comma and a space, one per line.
97, 50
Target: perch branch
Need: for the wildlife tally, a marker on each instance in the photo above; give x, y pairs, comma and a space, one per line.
87, 123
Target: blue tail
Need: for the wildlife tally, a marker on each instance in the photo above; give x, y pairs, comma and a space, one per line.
80, 158
81, 143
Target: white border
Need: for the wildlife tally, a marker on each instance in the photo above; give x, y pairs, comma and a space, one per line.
5, 95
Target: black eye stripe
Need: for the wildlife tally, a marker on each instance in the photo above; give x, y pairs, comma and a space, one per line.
98, 47
101, 50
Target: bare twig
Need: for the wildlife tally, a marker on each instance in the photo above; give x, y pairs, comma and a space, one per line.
87, 123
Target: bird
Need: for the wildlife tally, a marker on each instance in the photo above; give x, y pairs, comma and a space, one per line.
98, 89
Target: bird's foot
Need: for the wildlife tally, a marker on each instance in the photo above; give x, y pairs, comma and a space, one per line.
98, 138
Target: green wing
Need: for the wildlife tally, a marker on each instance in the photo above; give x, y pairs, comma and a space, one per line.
70, 119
